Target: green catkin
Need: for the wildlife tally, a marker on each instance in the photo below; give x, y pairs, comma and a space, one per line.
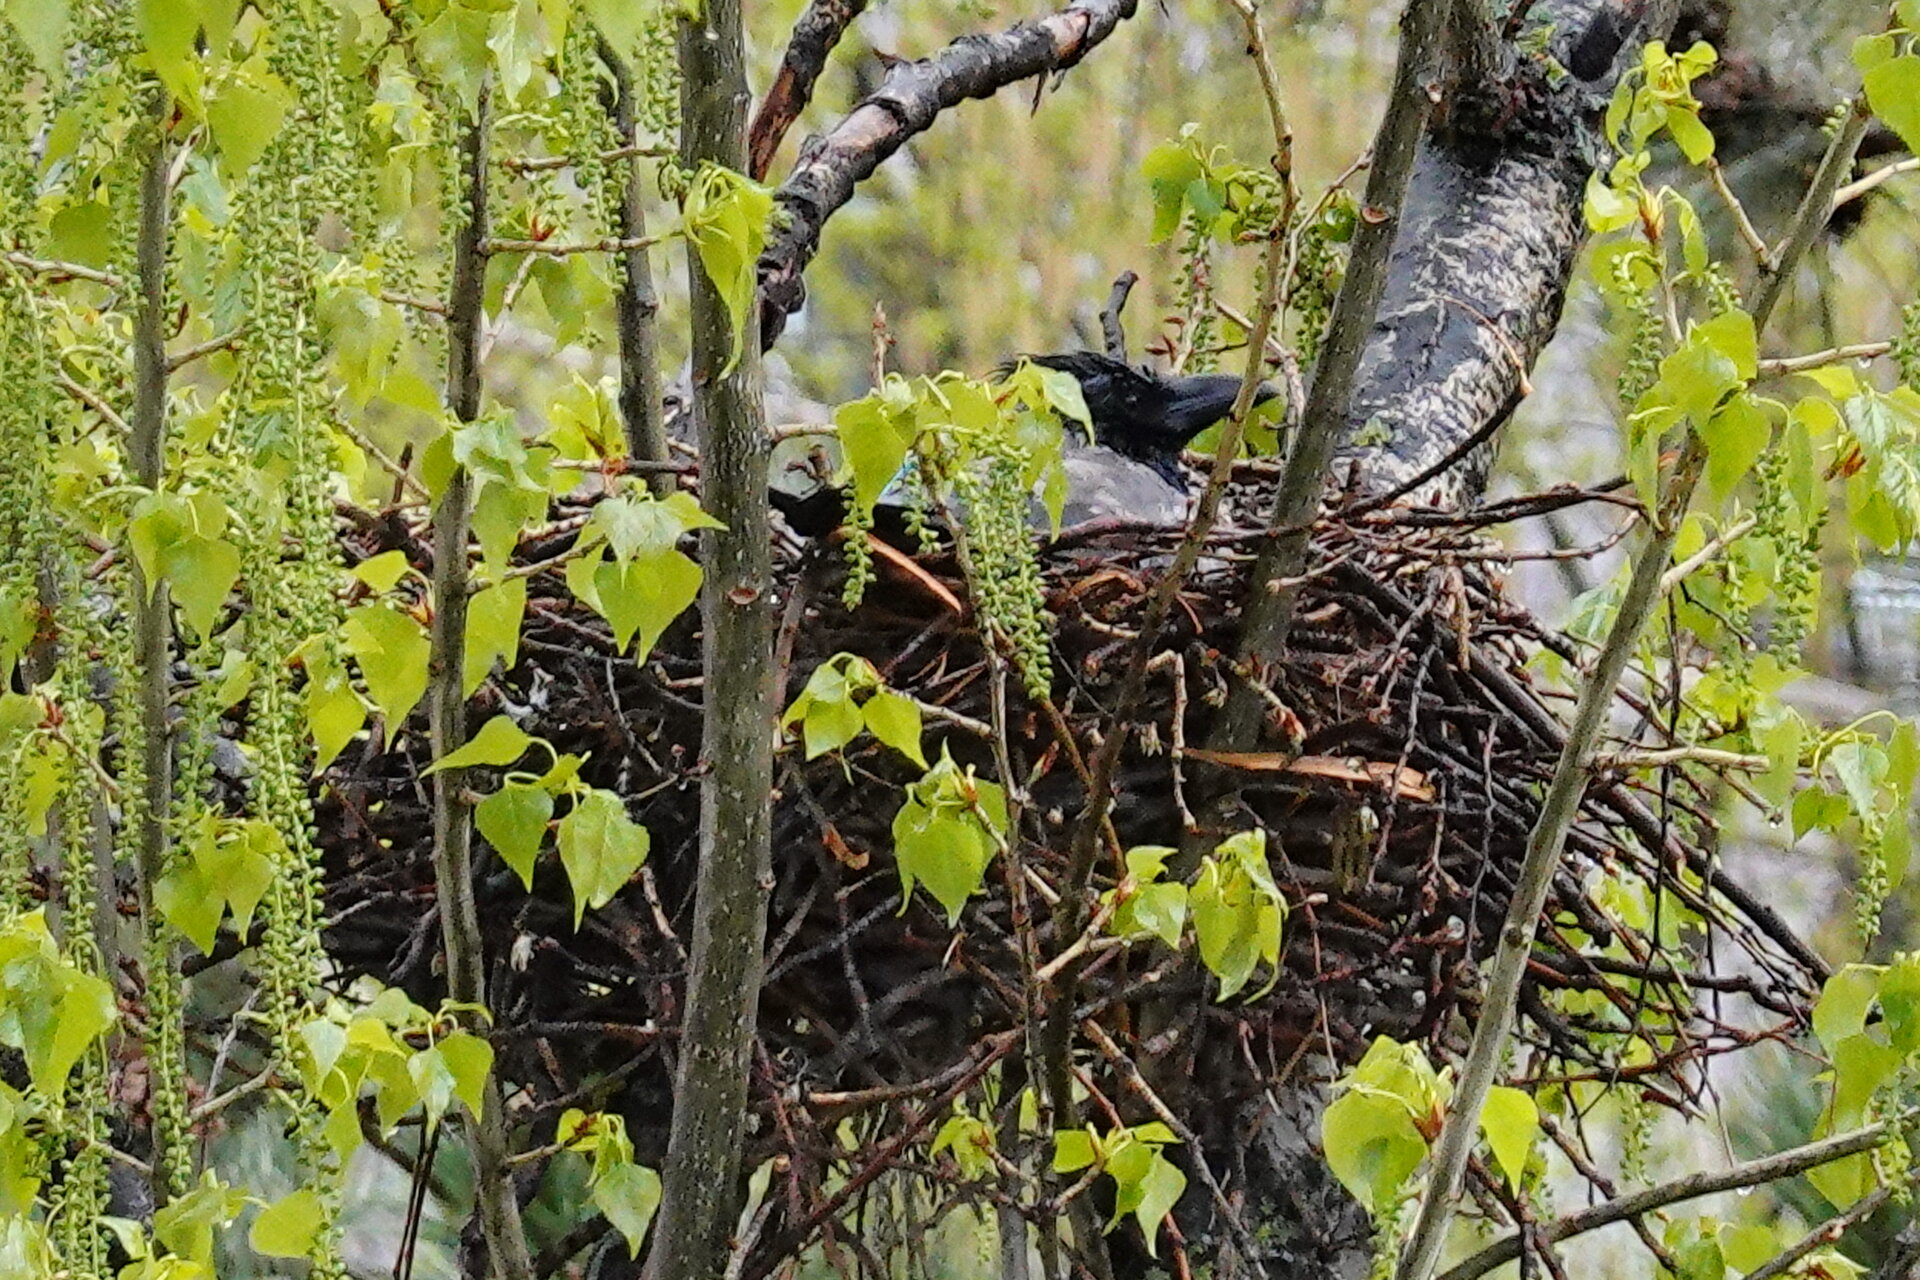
1195, 297
80, 1195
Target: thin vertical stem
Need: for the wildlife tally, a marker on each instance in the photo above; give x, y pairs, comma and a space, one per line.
507, 1254
637, 306
153, 609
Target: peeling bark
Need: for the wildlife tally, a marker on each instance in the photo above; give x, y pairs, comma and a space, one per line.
1486, 246
814, 37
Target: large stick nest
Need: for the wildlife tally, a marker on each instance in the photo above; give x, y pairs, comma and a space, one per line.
1405, 748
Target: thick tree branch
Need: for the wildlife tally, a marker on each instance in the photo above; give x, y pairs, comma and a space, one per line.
702, 1192
507, 1255
814, 37
906, 103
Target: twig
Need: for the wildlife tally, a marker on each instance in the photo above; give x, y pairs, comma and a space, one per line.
1537, 869
153, 610
65, 271
1781, 366
543, 164
1854, 190
700, 1197
180, 359
558, 249
1562, 800
1816, 207
1754, 1173
1681, 755
1762, 253
1828, 1232
1715, 545
93, 400
1111, 332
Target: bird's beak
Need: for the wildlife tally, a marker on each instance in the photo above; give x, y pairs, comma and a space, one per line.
1204, 399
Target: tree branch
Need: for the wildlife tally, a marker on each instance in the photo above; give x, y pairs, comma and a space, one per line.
1754, 1173
702, 1192
637, 306
814, 37
909, 98
1269, 612
153, 608
508, 1258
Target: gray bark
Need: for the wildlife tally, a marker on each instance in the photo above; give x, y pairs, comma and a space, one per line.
702, 1191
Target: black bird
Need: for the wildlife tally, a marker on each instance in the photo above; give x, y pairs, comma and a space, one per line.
1141, 422
1147, 416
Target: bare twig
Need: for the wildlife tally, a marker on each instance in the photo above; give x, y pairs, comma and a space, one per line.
1269, 612
1854, 190
1112, 333
558, 249
1781, 366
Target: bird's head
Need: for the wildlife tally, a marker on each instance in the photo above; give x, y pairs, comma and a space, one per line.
1199, 400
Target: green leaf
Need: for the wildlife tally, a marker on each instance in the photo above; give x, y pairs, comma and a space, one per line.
875, 433
1900, 998
1511, 1123
970, 1139
42, 26
628, 1194
829, 725
383, 571
493, 631
1073, 1150
288, 1227
202, 572
1161, 910
469, 1060
433, 1082
946, 833
642, 597
1861, 1065
244, 115
514, 821
394, 655
1893, 90
1735, 437
601, 848
1154, 1196
894, 719
1372, 1146
499, 742
1170, 169
1842, 1008
190, 904
726, 219
334, 711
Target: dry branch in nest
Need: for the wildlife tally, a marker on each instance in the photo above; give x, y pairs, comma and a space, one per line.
1398, 774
